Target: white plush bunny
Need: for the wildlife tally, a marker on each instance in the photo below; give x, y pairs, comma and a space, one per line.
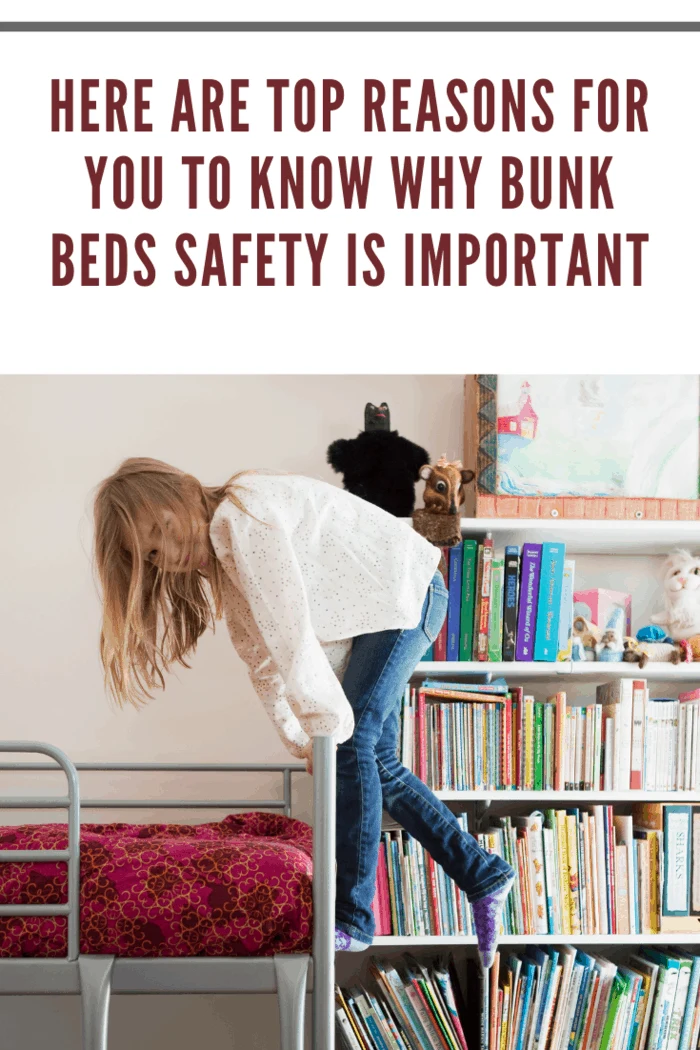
681, 615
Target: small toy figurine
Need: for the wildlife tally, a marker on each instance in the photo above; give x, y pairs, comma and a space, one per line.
611, 646
585, 637
379, 465
438, 521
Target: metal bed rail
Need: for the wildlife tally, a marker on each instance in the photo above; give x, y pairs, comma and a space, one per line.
285, 768
70, 802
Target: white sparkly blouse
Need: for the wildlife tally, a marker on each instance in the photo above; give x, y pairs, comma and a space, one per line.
308, 568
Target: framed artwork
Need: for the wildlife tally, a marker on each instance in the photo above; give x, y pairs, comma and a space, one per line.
584, 446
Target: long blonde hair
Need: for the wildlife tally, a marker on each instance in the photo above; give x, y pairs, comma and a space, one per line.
152, 619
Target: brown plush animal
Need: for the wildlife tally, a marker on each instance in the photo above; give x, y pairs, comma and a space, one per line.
643, 653
439, 520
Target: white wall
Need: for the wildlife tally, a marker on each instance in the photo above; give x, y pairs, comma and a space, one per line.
59, 436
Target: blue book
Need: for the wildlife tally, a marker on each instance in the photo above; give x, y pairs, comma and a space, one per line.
549, 601
427, 655
544, 964
528, 975
498, 687
588, 964
687, 1026
527, 601
454, 606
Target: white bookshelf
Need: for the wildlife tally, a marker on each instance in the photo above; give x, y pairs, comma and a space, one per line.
543, 798
590, 537
583, 669
622, 541
621, 939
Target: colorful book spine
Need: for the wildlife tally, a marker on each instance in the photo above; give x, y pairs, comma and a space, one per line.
549, 601
527, 602
482, 649
566, 613
469, 584
440, 643
496, 613
454, 605
510, 601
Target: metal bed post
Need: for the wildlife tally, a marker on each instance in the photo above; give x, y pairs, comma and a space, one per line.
324, 893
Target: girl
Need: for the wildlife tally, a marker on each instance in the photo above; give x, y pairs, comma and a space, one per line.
318, 587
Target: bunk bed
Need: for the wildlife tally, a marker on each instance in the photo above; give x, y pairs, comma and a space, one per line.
171, 908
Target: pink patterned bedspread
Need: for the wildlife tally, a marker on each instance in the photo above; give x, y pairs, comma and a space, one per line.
240, 887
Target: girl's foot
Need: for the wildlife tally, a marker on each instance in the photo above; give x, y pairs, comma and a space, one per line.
345, 943
487, 921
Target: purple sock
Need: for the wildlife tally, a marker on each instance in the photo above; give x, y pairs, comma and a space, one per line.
487, 922
345, 943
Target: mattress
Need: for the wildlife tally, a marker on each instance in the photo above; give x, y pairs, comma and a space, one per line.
238, 887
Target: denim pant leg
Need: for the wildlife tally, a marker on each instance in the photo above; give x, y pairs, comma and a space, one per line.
377, 674
428, 819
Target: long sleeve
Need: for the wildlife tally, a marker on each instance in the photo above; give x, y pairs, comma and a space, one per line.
260, 558
264, 676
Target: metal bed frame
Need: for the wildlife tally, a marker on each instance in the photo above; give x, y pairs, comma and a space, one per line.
94, 977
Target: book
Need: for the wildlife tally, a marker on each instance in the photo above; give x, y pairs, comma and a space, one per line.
527, 601
510, 601
495, 646
639, 692
440, 643
676, 897
484, 601
454, 604
549, 601
616, 700
566, 611
469, 582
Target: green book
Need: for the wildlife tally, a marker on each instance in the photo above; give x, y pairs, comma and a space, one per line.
539, 746
468, 599
496, 611
618, 992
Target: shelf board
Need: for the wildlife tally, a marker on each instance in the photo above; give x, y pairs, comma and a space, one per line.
544, 798
557, 671
621, 939
590, 537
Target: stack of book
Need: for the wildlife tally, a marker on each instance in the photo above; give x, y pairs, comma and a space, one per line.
414, 897
600, 871
408, 1007
459, 736
506, 605
558, 998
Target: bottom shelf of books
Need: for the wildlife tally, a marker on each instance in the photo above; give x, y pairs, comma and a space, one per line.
536, 998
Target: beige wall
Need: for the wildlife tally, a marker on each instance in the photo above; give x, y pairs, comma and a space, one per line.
59, 436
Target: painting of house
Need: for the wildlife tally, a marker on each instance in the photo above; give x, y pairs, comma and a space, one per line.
634, 436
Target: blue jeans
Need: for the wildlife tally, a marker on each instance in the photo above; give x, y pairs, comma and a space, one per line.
370, 777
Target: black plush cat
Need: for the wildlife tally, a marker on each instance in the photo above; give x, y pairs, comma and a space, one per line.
379, 465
